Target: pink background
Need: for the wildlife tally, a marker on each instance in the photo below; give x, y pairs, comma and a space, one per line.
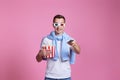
95, 24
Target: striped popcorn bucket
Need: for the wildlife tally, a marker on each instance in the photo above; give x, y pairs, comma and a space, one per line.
52, 51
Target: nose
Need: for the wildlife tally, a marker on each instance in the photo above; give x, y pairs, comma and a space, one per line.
57, 27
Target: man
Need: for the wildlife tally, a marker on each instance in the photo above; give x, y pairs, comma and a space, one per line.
58, 67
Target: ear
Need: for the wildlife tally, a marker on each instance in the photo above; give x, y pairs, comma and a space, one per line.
64, 26
53, 25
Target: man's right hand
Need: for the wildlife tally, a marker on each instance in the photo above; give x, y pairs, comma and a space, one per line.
45, 52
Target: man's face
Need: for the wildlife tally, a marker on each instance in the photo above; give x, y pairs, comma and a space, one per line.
59, 25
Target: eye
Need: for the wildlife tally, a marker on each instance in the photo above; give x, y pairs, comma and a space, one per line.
62, 24
55, 24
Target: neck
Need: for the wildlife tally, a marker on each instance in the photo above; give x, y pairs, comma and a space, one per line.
58, 34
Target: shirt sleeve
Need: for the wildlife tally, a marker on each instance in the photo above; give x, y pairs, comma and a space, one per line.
43, 42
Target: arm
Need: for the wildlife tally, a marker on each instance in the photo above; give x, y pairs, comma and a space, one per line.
39, 56
75, 46
42, 53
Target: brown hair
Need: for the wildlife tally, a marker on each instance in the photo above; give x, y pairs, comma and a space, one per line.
58, 16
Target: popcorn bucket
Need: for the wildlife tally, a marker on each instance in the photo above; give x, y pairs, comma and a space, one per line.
52, 53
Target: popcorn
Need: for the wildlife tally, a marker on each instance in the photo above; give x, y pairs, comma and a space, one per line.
51, 54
